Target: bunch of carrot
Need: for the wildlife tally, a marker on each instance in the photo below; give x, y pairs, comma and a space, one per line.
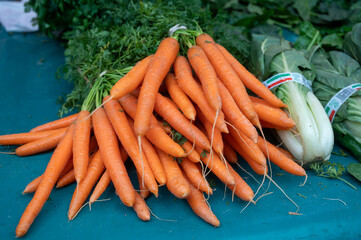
174, 125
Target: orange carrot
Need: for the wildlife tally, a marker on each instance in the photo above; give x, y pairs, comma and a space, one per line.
165, 126
155, 134
81, 145
143, 189
66, 180
250, 81
193, 156
206, 74
214, 135
23, 138
128, 139
281, 160
285, 152
41, 145
265, 124
192, 88
179, 97
229, 153
132, 79
195, 176
176, 183
158, 69
241, 189
141, 208
60, 123
175, 118
110, 154
55, 166
199, 205
228, 76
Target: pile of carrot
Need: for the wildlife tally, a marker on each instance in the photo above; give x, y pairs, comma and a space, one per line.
177, 118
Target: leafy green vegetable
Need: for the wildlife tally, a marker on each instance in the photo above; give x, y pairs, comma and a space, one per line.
352, 42
355, 170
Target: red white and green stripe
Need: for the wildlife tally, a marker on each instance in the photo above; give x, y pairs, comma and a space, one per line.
339, 98
281, 78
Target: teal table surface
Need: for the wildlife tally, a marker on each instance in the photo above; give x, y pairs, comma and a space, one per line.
29, 91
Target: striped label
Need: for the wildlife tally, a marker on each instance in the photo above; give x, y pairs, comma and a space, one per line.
336, 101
281, 78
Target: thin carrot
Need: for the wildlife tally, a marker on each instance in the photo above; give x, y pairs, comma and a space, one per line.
41, 145
200, 207
281, 160
141, 208
228, 76
193, 89
265, 124
109, 150
158, 69
179, 97
81, 144
60, 123
66, 180
285, 152
249, 80
143, 189
55, 166
192, 153
195, 176
214, 135
132, 79
23, 138
164, 107
155, 134
165, 126
128, 139
229, 153
101, 186
81, 192
176, 182
241, 189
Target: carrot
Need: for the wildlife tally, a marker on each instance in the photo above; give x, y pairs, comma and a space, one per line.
23, 138
176, 182
192, 88
214, 135
131, 80
256, 167
195, 176
100, 187
229, 153
285, 152
81, 145
165, 126
265, 124
158, 69
199, 205
60, 123
248, 146
179, 97
206, 74
128, 139
155, 134
193, 156
81, 192
141, 208
55, 166
249, 80
41, 145
234, 114
164, 107
143, 190
281, 160
241, 189
110, 154
216, 166
228, 76
66, 180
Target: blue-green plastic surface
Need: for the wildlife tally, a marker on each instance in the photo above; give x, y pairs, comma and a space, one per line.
29, 90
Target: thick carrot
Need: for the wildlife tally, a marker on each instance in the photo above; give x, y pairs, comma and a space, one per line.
199, 205
194, 174
41, 145
234, 115
155, 134
216, 166
23, 138
176, 182
206, 74
192, 153
192, 88
249, 80
228, 76
110, 154
229, 153
81, 145
175, 118
158, 69
281, 160
60, 123
179, 97
214, 135
241, 189
81, 192
128, 139
55, 166
143, 189
132, 79
141, 208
